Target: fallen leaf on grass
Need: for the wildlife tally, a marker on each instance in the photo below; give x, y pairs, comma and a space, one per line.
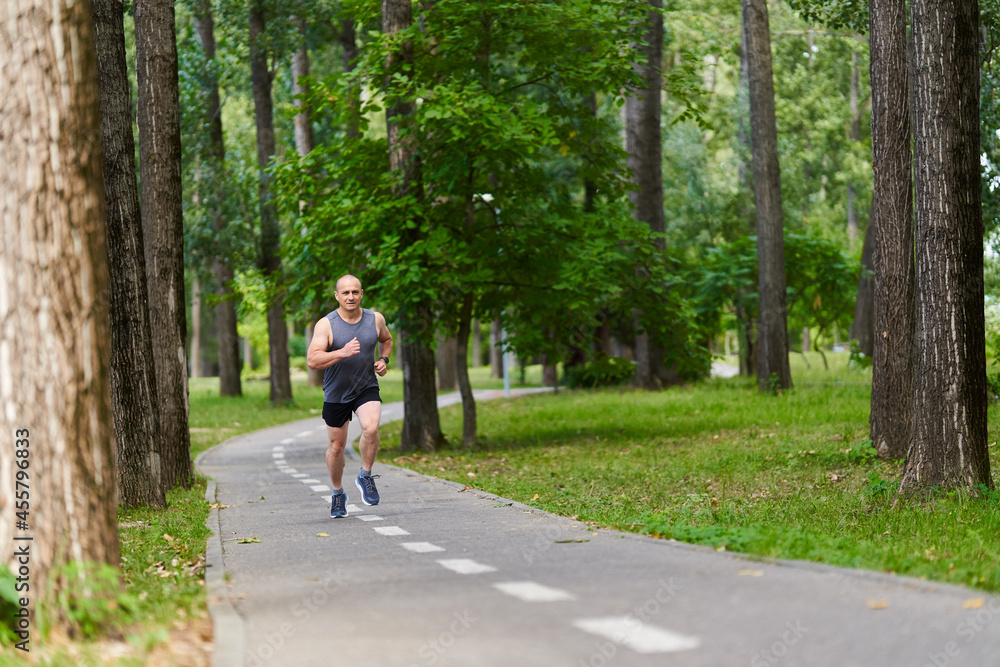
249, 540
168, 538
322, 535
535, 497
751, 573
973, 603
878, 604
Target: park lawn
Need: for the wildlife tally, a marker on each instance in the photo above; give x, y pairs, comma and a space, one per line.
788, 476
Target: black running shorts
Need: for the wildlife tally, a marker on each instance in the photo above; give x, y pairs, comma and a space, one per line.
338, 414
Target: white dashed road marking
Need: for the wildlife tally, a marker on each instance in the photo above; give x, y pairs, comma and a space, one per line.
354, 508
371, 518
422, 547
636, 635
466, 566
320, 487
529, 591
309, 481
299, 475
390, 530
278, 455
277, 448
303, 434
287, 441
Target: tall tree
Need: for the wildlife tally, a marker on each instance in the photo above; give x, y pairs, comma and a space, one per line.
854, 134
642, 140
163, 227
772, 327
270, 230
948, 441
421, 424
892, 218
230, 383
133, 369
55, 418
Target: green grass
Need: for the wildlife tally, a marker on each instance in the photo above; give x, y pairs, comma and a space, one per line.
788, 476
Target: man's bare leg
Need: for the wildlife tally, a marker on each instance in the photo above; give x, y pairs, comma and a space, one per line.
369, 415
335, 454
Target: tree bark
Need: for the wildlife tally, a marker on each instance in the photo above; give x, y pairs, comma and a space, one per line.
447, 372
772, 326
892, 212
462, 364
948, 441
225, 310
863, 327
270, 230
55, 404
421, 424
163, 227
477, 344
642, 140
349, 53
133, 371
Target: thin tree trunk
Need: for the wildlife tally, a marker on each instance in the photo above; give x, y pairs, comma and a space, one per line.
496, 349
270, 230
133, 371
349, 53
196, 328
948, 445
247, 354
863, 327
477, 344
854, 136
163, 228
421, 425
56, 419
225, 309
462, 364
772, 326
892, 211
642, 137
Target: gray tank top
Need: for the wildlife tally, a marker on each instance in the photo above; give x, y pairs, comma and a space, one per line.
346, 379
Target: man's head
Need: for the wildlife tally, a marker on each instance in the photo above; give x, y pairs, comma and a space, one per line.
349, 292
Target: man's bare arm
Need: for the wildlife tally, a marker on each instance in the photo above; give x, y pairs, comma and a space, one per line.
385, 344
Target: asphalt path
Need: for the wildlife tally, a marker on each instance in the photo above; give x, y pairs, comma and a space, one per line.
442, 574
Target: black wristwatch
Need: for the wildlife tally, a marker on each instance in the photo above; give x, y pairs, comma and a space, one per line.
386, 360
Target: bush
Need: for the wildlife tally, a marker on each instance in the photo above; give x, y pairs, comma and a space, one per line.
297, 346
604, 372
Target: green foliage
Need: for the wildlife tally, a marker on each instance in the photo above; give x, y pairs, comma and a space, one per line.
600, 372
9, 604
836, 14
90, 598
859, 360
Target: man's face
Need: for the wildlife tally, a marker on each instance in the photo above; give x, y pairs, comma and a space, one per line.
349, 295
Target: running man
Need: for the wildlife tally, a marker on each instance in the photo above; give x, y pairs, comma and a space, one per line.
344, 344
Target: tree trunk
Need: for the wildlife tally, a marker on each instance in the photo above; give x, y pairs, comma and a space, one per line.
863, 327
225, 310
163, 227
133, 371
270, 230
247, 354
642, 139
300, 68
496, 349
477, 344
195, 328
421, 425
772, 326
854, 136
892, 212
948, 445
447, 374
349, 53
462, 363
58, 436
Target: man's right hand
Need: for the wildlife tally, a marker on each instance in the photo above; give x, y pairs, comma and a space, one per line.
352, 348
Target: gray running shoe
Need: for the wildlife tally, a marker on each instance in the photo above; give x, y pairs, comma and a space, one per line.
366, 485
339, 507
